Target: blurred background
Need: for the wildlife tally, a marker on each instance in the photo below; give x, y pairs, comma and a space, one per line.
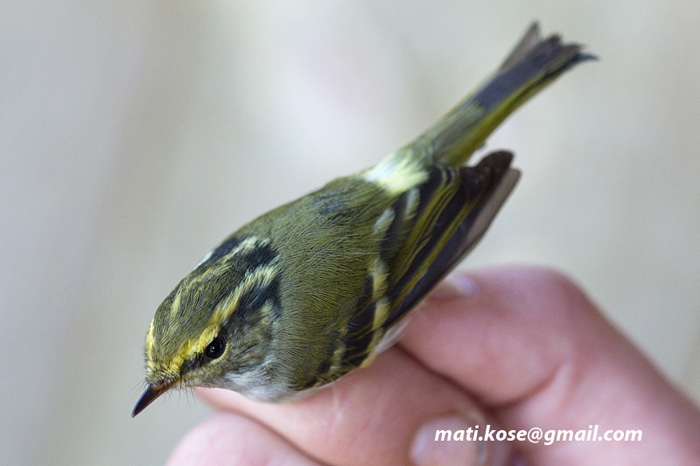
135, 135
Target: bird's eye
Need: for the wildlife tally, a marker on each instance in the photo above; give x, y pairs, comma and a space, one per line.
216, 348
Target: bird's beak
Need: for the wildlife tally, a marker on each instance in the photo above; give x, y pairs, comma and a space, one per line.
153, 391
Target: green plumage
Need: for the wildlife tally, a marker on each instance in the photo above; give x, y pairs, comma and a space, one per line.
311, 290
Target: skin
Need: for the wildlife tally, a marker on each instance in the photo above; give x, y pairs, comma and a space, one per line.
511, 347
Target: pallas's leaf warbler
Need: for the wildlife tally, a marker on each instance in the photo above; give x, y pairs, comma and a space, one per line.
316, 288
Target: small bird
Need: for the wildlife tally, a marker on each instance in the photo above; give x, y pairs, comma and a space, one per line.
316, 288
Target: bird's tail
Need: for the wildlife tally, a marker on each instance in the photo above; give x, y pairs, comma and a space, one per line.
533, 64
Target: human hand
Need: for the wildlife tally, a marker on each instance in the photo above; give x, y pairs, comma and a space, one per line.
509, 348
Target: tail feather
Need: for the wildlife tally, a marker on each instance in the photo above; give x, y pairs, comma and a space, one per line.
531, 66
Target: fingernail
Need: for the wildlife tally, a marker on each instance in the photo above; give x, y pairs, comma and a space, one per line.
448, 440
456, 285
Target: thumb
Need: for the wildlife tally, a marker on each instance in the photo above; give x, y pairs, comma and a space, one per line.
531, 346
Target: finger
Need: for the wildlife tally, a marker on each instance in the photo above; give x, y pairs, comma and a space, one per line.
384, 414
531, 346
234, 439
